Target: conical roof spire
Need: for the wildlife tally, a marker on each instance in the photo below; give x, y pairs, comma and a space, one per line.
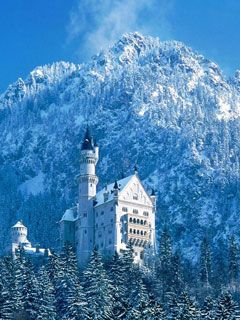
87, 141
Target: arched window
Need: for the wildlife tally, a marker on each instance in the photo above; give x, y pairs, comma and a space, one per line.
130, 230
141, 233
134, 231
130, 220
141, 221
145, 222
134, 220
137, 220
135, 196
137, 231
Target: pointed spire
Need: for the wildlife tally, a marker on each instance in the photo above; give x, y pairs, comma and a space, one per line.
87, 141
135, 168
153, 193
115, 187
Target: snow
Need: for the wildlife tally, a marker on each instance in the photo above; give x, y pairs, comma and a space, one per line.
19, 224
121, 184
33, 186
70, 215
32, 251
163, 106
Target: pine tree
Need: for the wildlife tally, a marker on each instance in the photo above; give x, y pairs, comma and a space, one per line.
164, 268
208, 309
7, 288
19, 280
117, 276
47, 303
98, 288
226, 308
188, 308
205, 265
177, 277
137, 294
233, 265
152, 310
30, 291
172, 306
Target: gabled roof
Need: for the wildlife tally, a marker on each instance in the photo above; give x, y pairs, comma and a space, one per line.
121, 184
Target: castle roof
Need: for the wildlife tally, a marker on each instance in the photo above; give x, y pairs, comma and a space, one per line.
88, 143
19, 224
120, 183
37, 252
70, 215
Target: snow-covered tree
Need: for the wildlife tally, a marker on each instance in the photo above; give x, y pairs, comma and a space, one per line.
98, 288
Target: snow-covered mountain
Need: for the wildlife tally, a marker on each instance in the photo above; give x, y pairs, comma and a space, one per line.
158, 104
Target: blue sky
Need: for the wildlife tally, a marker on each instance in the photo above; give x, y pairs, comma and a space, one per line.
39, 32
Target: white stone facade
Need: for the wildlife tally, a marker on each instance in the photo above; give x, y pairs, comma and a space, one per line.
120, 213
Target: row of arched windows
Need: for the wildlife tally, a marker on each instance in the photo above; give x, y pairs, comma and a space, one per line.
138, 221
138, 232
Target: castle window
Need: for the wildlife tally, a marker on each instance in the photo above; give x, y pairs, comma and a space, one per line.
111, 208
134, 220
102, 244
135, 196
102, 213
141, 233
137, 231
109, 231
136, 254
141, 221
99, 235
135, 210
124, 209
145, 213
134, 231
141, 255
138, 220
96, 225
130, 230
85, 231
145, 222
145, 232
110, 241
85, 214
130, 219
111, 220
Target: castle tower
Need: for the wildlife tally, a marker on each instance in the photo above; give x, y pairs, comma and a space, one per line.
19, 236
87, 191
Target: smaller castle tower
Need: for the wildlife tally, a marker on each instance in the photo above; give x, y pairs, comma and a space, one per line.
19, 236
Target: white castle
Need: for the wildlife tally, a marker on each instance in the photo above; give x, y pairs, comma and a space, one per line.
19, 241
108, 220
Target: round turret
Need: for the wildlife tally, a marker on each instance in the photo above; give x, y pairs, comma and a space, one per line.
19, 234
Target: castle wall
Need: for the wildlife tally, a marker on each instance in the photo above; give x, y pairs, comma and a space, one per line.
105, 218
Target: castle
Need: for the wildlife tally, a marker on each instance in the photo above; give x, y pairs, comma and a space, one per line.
19, 241
121, 213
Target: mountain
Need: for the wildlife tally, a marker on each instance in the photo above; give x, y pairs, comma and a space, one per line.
158, 104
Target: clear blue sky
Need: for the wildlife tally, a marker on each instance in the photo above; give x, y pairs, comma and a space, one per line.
39, 32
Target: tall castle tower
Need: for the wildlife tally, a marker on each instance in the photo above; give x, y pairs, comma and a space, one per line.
87, 191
